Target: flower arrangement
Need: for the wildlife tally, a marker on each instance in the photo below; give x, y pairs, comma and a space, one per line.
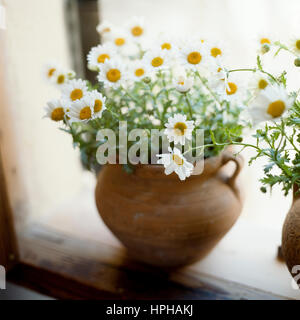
177, 86
278, 113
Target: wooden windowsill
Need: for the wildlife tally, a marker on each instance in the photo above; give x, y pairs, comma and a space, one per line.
66, 267
69, 253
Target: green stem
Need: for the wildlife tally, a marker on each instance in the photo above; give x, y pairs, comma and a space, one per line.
189, 105
112, 112
288, 174
131, 97
223, 145
164, 84
243, 69
290, 139
254, 70
284, 47
208, 88
292, 142
269, 74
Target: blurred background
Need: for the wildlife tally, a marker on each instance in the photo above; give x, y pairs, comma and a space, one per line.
44, 174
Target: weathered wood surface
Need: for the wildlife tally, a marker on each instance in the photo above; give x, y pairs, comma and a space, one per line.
65, 267
8, 247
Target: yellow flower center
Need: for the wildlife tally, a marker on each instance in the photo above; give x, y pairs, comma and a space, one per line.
177, 160
102, 57
194, 57
60, 79
264, 41
50, 72
106, 29
297, 44
181, 83
215, 52
113, 75
85, 113
166, 46
139, 72
262, 84
98, 106
137, 31
119, 42
276, 108
232, 88
76, 94
58, 114
180, 128
157, 62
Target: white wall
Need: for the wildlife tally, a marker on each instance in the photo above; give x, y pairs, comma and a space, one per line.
236, 22
41, 165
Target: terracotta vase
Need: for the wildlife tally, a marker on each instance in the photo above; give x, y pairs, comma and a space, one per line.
291, 236
166, 222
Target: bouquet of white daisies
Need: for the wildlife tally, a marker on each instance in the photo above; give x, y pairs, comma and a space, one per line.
161, 83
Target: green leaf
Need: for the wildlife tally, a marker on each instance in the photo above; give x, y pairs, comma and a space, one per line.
212, 136
258, 62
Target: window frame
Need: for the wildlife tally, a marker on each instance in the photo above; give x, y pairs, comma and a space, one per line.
8, 246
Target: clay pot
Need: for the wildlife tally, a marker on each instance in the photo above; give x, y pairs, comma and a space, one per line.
166, 222
291, 236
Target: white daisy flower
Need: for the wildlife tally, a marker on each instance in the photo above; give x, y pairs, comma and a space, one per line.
74, 90
178, 129
193, 55
233, 89
218, 71
270, 103
112, 73
82, 110
166, 42
119, 40
105, 28
175, 161
265, 41
71, 74
259, 81
59, 77
182, 83
98, 103
99, 54
156, 59
138, 70
50, 70
136, 28
218, 79
55, 110
295, 44
216, 50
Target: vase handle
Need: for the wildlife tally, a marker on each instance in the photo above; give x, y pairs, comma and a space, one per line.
239, 161
296, 194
